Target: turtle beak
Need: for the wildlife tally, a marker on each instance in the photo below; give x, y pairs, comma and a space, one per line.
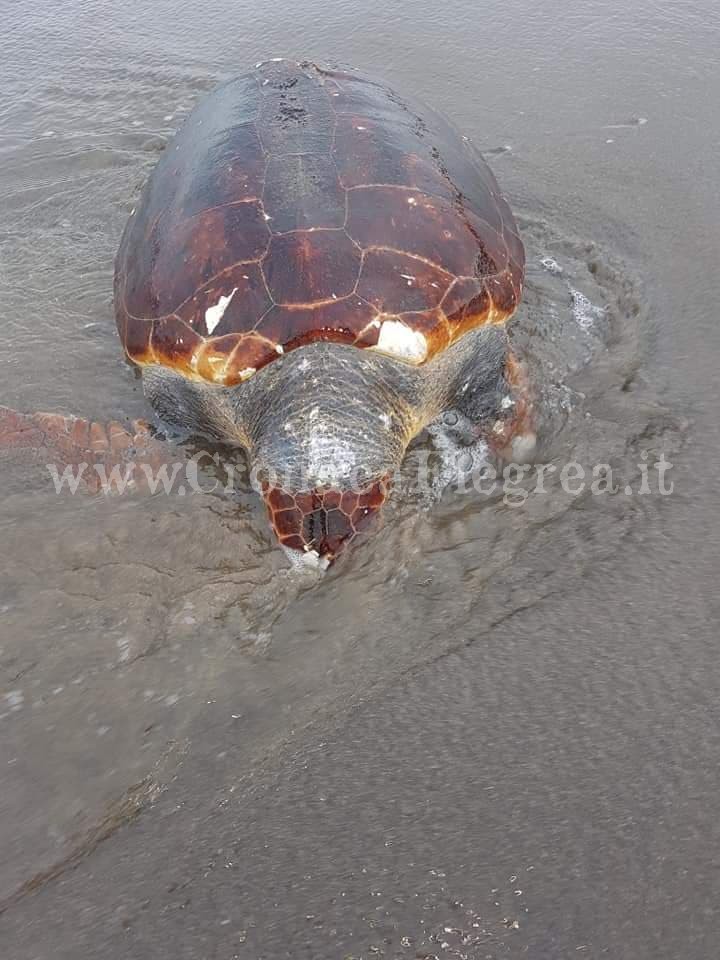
314, 526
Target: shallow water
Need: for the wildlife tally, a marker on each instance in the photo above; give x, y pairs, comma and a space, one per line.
482, 688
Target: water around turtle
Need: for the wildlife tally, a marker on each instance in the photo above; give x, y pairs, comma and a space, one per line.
156, 649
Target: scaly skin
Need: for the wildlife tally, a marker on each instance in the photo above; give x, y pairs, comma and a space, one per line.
285, 427
513, 439
71, 441
322, 521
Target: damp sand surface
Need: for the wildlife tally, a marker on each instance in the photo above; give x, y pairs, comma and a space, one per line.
493, 731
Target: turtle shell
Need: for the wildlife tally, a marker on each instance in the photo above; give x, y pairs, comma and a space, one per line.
299, 204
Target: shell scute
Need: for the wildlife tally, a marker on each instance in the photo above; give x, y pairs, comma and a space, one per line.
173, 341
252, 351
136, 339
233, 170
367, 151
360, 97
295, 112
241, 294
411, 220
308, 267
339, 321
466, 299
395, 282
210, 361
503, 292
201, 248
303, 192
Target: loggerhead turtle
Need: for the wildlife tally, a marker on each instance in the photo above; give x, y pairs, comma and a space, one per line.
317, 272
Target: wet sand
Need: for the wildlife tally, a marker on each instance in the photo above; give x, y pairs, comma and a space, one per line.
492, 733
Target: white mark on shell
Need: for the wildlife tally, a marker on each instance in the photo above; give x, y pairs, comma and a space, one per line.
279, 348
213, 315
399, 340
246, 373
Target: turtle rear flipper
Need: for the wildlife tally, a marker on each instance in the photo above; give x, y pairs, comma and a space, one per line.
91, 450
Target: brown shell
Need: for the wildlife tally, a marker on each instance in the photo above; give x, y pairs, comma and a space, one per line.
299, 204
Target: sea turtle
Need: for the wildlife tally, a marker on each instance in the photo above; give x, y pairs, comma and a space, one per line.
316, 271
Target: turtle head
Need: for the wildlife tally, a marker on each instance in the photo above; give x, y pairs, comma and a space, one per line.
314, 525
327, 426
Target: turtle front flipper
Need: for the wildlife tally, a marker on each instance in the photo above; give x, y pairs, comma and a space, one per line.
490, 418
103, 456
512, 435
